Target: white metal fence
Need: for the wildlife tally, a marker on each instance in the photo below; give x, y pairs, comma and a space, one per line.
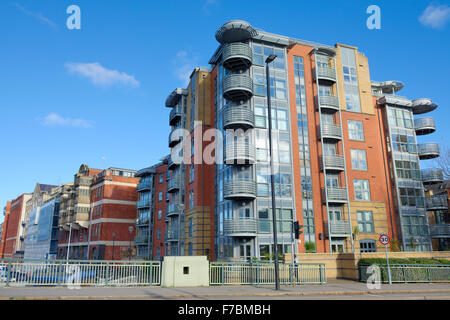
264, 273
14, 272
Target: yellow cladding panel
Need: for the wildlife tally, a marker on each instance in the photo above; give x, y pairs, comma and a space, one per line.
202, 99
380, 222
364, 82
201, 231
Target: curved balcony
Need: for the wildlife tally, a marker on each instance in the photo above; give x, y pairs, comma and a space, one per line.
172, 236
175, 115
238, 117
335, 195
330, 131
142, 222
432, 176
332, 163
237, 87
172, 210
235, 31
237, 56
240, 227
428, 150
339, 228
329, 102
239, 153
143, 203
171, 164
423, 105
436, 203
174, 184
239, 190
326, 73
440, 230
145, 185
141, 239
424, 126
174, 138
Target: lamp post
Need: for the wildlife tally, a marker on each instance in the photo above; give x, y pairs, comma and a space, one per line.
130, 228
270, 59
114, 238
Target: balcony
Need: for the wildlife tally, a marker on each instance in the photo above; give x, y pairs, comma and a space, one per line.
440, 230
239, 190
174, 184
172, 236
239, 153
238, 117
339, 228
330, 131
329, 102
424, 126
174, 138
326, 73
142, 222
175, 115
237, 56
332, 163
428, 150
143, 203
240, 227
432, 176
172, 210
423, 105
144, 185
335, 195
141, 239
237, 87
173, 164
235, 31
436, 203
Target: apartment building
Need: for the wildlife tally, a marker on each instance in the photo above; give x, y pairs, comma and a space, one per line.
6, 211
14, 230
337, 161
152, 210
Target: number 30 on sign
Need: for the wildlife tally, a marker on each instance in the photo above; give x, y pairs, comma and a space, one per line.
384, 239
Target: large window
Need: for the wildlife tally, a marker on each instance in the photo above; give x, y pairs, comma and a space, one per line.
400, 118
365, 221
355, 130
412, 197
362, 189
404, 143
284, 220
359, 161
350, 80
190, 227
367, 246
415, 225
407, 170
261, 52
279, 115
191, 199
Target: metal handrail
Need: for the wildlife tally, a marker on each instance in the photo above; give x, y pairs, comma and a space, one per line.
238, 115
326, 72
239, 226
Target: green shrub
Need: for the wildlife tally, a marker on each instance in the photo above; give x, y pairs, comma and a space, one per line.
310, 247
382, 261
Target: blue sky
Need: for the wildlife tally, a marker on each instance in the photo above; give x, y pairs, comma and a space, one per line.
96, 95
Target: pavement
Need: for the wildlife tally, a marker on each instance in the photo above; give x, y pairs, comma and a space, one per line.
333, 289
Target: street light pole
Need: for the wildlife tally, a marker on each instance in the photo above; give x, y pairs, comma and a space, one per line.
114, 238
130, 228
270, 59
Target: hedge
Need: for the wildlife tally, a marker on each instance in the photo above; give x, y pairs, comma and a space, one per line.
382, 261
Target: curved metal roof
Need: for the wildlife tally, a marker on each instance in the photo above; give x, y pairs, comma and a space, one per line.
174, 97
326, 50
423, 105
234, 31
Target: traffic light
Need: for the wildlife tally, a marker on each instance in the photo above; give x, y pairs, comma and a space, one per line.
297, 230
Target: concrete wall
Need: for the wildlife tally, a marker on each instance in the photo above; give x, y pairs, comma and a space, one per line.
185, 271
345, 265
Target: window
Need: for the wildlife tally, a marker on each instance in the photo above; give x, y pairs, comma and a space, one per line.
404, 143
355, 130
362, 189
158, 252
407, 170
191, 199
400, 118
367, 246
190, 249
415, 225
191, 173
359, 161
412, 197
158, 234
350, 80
160, 196
190, 227
365, 221
159, 214
161, 177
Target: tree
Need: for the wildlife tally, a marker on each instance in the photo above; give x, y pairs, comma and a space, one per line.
443, 161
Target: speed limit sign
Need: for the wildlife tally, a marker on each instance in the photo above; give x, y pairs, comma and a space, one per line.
384, 239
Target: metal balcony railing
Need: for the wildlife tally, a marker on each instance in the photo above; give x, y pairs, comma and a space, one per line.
329, 102
144, 185
330, 131
141, 239
428, 150
436, 203
332, 162
174, 184
240, 227
424, 126
237, 87
174, 138
338, 195
172, 235
239, 189
440, 230
172, 209
340, 227
430, 176
326, 73
239, 153
143, 203
238, 117
175, 115
237, 55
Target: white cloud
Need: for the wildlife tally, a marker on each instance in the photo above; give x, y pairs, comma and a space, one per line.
55, 120
208, 4
37, 15
101, 76
184, 64
435, 16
